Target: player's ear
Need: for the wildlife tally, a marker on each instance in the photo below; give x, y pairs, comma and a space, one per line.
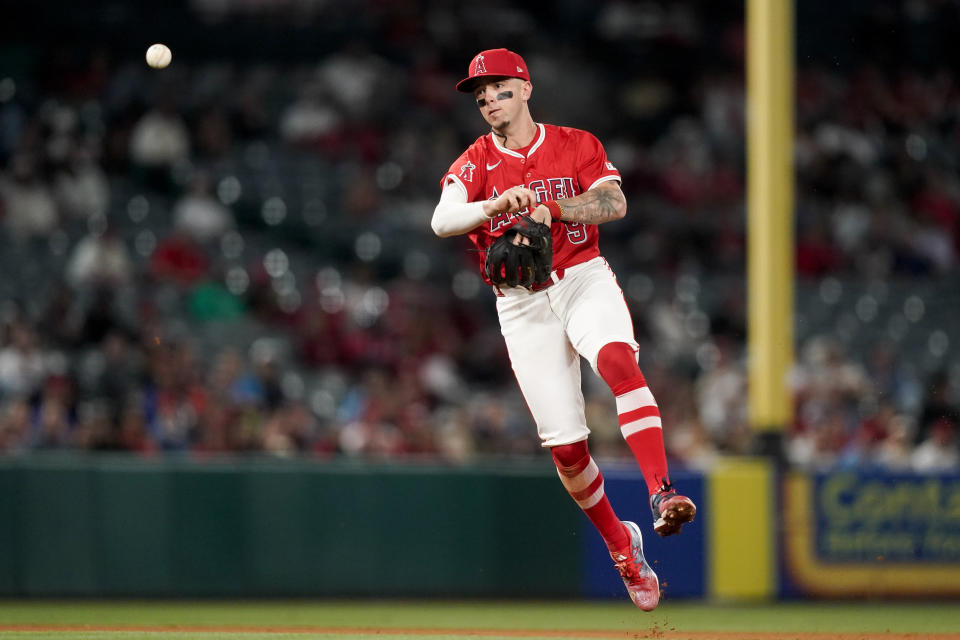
526, 89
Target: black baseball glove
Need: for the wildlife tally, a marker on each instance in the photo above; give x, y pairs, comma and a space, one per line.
513, 262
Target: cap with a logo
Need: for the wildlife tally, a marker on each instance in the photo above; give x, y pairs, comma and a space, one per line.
493, 63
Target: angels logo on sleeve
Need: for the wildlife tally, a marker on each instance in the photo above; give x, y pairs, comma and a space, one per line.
466, 171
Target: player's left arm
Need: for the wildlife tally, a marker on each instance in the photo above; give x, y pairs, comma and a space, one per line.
603, 203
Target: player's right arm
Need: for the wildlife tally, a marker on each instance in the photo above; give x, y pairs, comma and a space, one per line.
453, 215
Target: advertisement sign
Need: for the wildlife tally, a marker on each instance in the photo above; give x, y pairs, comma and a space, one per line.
852, 533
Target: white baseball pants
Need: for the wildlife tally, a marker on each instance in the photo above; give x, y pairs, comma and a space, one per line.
548, 331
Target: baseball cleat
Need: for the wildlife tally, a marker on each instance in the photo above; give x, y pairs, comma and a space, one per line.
670, 511
639, 578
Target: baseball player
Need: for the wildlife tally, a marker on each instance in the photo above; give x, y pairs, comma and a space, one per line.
557, 298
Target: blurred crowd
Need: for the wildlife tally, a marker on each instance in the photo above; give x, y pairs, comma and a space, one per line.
235, 256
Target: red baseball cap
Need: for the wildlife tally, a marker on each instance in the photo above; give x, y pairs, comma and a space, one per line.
493, 63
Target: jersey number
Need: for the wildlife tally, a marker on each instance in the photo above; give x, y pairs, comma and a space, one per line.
576, 232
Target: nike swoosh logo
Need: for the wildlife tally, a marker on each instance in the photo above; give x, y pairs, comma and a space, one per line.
491, 167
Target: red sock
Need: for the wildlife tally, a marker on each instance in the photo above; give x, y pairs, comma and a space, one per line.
582, 479
637, 411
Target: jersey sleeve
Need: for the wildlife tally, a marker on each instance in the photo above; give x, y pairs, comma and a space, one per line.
593, 167
464, 172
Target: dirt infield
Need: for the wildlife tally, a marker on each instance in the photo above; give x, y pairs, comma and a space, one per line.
656, 633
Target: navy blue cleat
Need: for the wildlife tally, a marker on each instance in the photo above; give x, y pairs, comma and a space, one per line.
670, 511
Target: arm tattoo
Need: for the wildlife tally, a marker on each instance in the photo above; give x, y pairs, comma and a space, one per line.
593, 207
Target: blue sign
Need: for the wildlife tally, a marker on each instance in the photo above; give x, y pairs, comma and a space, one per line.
678, 560
891, 518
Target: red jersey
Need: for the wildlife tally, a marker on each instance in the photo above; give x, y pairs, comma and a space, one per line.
560, 163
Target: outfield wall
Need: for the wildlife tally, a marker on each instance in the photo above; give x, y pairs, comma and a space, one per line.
120, 526
126, 526
123, 526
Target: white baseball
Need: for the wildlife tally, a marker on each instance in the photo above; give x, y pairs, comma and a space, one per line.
159, 56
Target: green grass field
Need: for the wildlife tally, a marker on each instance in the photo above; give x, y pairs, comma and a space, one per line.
406, 620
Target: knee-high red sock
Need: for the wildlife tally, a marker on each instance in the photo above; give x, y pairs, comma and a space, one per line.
637, 411
582, 479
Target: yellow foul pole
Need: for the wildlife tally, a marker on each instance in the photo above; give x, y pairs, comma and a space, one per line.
770, 245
